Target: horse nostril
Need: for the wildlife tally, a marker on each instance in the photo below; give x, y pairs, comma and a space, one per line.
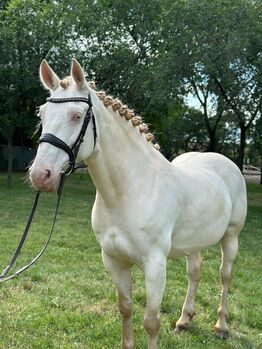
48, 173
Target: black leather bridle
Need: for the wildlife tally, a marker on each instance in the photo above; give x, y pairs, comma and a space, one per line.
68, 168
72, 152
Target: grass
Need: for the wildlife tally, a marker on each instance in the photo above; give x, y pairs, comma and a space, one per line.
68, 301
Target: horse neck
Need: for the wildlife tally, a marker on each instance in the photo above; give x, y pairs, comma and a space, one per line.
123, 157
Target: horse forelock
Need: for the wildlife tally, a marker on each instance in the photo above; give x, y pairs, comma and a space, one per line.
67, 81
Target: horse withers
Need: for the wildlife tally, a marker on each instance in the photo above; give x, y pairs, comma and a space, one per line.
146, 209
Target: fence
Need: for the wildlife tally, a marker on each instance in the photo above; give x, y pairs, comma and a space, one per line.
21, 157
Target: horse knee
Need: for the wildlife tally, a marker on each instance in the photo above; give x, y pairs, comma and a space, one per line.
152, 324
125, 308
226, 275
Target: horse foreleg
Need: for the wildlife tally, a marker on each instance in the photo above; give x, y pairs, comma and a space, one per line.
229, 248
194, 262
155, 279
121, 277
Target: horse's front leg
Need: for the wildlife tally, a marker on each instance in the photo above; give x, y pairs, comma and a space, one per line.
121, 277
155, 280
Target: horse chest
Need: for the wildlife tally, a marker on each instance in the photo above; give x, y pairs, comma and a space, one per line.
131, 233
116, 244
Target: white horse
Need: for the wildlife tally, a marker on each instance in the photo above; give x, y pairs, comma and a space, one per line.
146, 209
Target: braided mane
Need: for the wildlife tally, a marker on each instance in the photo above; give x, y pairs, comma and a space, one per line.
123, 111
117, 105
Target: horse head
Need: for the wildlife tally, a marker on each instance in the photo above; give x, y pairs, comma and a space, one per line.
62, 118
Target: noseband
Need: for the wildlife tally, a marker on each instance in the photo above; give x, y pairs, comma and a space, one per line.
70, 166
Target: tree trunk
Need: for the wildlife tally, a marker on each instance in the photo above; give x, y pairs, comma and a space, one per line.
241, 151
10, 159
212, 140
211, 131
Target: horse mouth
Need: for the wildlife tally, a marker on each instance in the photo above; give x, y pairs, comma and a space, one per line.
39, 185
47, 189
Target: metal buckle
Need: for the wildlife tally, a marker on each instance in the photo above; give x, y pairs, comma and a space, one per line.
67, 168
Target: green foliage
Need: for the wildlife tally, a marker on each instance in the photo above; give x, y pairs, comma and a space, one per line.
184, 130
150, 54
214, 48
257, 136
68, 301
255, 146
35, 31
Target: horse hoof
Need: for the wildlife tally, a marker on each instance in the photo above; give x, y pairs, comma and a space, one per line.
181, 327
222, 334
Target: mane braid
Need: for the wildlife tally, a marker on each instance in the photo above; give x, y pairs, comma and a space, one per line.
128, 114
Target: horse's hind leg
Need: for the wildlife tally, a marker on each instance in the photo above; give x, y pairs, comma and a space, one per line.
229, 248
194, 262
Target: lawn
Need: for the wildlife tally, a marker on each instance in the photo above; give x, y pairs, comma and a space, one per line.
67, 301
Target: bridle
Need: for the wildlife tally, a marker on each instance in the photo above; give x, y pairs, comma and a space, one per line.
68, 168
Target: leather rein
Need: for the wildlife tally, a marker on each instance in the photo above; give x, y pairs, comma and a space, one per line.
68, 168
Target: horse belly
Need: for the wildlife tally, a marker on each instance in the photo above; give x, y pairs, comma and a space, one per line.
201, 225
189, 241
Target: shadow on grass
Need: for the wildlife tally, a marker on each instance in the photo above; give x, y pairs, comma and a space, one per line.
196, 337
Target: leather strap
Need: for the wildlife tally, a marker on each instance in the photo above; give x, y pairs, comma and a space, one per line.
20, 245
72, 153
57, 142
4, 276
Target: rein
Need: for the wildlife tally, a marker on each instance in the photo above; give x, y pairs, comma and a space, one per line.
68, 168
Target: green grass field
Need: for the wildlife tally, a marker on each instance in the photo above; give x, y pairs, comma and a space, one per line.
68, 301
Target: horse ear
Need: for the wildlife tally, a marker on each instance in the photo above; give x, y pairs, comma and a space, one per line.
48, 77
77, 74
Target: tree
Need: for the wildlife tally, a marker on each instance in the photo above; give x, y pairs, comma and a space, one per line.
256, 142
186, 130
24, 24
151, 54
215, 46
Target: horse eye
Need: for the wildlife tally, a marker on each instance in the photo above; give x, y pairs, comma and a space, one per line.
76, 117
